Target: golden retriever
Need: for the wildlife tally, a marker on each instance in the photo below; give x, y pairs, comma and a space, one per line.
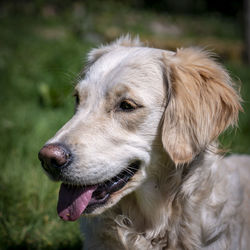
140, 152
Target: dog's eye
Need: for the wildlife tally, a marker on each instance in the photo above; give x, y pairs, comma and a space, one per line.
77, 99
127, 106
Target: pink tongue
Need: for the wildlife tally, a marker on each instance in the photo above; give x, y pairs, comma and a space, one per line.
72, 201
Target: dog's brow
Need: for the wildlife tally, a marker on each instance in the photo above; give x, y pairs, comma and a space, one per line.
117, 91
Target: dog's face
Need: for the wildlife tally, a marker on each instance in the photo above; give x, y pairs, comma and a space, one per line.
132, 102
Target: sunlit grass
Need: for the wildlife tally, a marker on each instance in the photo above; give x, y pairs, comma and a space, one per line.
29, 116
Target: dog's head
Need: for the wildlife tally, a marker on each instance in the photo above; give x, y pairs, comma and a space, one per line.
134, 105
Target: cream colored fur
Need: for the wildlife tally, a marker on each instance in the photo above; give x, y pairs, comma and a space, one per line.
185, 195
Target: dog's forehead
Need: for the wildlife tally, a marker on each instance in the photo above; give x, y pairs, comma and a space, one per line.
109, 62
119, 64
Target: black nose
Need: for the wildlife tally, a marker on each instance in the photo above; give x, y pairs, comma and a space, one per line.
55, 155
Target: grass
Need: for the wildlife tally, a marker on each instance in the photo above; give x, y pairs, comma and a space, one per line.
37, 74
40, 57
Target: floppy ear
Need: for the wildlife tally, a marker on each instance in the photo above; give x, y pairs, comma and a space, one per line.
203, 103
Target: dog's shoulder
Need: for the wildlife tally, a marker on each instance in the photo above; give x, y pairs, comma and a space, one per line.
230, 200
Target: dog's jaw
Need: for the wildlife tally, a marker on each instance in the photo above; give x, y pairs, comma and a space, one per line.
131, 186
95, 199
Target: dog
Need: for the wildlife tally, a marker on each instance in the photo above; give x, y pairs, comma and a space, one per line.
140, 157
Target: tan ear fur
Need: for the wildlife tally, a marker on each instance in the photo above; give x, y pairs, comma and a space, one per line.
203, 103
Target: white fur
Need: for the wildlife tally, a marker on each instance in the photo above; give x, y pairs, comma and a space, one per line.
195, 202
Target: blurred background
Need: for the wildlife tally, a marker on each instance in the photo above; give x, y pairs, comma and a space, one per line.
43, 45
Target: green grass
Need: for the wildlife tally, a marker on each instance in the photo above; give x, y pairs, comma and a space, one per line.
40, 58
37, 75
238, 140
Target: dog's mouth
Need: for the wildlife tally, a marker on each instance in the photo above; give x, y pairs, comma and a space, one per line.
75, 200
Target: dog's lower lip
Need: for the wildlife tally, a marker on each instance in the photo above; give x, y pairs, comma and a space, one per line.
75, 200
99, 200
104, 190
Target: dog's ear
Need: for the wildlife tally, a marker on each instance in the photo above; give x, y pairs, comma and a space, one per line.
125, 41
202, 103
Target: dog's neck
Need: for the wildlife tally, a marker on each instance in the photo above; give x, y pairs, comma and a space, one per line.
175, 193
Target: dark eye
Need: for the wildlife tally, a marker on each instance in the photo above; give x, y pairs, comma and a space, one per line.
127, 106
77, 99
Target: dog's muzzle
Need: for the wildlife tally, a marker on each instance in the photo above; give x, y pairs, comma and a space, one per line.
73, 199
